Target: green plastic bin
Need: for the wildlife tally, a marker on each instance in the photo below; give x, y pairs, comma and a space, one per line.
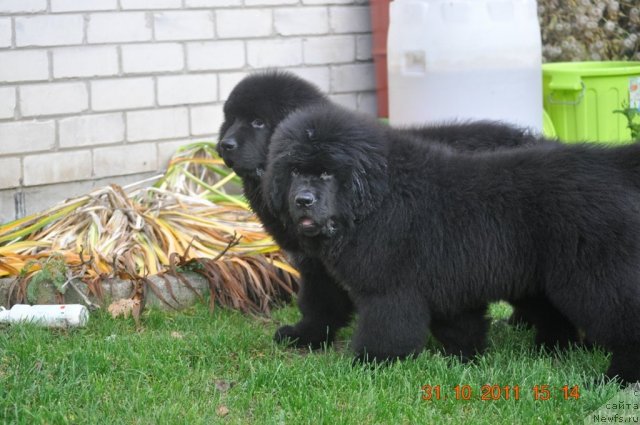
581, 97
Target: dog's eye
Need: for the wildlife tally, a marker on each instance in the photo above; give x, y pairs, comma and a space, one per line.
257, 123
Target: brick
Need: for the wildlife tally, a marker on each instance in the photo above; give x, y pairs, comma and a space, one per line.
364, 47
274, 53
157, 124
51, 99
243, 23
78, 6
85, 61
127, 159
183, 25
23, 6
213, 3
150, 4
353, 77
320, 76
144, 58
7, 102
5, 32
10, 173
118, 27
186, 89
350, 19
57, 167
40, 198
49, 30
166, 151
215, 55
206, 119
316, 2
269, 2
368, 103
122, 93
7, 206
330, 49
301, 20
91, 130
26, 136
228, 81
27, 65
348, 100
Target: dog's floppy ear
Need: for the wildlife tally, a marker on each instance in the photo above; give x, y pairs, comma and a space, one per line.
367, 188
275, 184
368, 182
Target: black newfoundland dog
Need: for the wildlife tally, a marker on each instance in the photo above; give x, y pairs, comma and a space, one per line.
254, 108
423, 237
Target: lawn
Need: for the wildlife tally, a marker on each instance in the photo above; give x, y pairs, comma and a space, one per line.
196, 367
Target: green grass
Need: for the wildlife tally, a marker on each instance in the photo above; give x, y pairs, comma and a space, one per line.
183, 367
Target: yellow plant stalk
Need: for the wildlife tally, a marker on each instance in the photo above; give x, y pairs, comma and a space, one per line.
133, 231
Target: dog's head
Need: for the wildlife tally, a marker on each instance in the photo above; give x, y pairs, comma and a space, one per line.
255, 106
327, 169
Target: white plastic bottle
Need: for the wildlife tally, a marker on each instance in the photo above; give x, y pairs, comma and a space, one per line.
465, 59
55, 316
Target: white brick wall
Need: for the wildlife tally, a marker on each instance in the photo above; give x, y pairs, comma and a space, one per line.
118, 27
244, 23
53, 99
93, 91
49, 30
7, 102
187, 89
122, 93
27, 65
57, 167
296, 21
77, 6
149, 58
89, 130
5, 32
85, 61
157, 124
22, 6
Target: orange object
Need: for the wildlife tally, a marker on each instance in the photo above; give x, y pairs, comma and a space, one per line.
379, 28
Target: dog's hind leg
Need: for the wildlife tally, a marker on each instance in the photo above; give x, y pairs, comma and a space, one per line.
464, 334
625, 362
553, 329
325, 307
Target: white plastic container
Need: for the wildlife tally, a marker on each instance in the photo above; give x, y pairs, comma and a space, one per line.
57, 316
465, 59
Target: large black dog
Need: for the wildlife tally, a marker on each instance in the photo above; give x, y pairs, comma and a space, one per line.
422, 236
254, 108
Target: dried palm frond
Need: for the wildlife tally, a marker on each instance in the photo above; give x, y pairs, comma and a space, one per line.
132, 232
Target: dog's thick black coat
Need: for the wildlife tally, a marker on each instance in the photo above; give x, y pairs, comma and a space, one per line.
424, 237
254, 108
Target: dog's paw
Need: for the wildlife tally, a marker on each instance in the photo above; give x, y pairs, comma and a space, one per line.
294, 337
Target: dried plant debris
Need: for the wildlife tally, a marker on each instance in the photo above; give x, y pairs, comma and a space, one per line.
187, 220
582, 30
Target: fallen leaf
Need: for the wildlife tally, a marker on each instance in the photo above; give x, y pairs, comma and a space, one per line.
222, 411
123, 307
223, 385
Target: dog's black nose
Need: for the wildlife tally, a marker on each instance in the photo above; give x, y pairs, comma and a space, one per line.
229, 144
305, 199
